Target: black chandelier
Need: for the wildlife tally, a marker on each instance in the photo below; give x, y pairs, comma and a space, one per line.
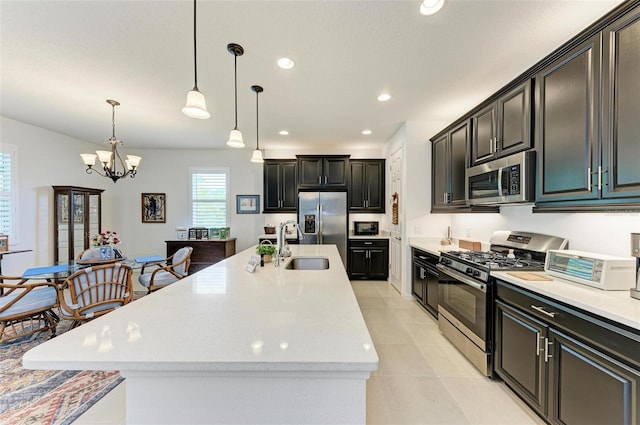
112, 168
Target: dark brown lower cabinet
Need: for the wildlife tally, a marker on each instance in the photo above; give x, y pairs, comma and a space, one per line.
570, 367
368, 259
205, 252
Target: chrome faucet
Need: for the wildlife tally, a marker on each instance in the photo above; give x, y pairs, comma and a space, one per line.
281, 241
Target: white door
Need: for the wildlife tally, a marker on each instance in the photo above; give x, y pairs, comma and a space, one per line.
395, 242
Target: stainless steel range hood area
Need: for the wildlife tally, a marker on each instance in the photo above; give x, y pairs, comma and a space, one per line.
502, 181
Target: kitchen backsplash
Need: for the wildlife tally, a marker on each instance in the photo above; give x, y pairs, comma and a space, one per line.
605, 233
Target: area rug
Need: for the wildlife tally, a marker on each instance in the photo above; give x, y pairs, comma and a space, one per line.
47, 397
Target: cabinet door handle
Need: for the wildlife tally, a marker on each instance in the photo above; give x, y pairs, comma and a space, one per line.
368, 243
599, 177
538, 348
547, 355
543, 311
319, 179
589, 179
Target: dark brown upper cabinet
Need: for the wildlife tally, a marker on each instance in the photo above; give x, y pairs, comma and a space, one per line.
323, 172
567, 98
503, 127
280, 180
588, 121
449, 162
367, 185
620, 173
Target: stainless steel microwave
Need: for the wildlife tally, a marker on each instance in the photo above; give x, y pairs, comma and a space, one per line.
502, 181
362, 228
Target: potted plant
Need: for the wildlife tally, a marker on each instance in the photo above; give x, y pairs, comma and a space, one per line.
266, 250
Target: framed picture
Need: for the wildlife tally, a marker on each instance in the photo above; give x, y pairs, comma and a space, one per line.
154, 208
247, 204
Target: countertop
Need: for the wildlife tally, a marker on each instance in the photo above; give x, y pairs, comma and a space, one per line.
274, 236
432, 245
614, 305
224, 318
382, 235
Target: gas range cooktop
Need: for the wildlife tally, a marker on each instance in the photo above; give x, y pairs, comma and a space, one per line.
510, 250
497, 260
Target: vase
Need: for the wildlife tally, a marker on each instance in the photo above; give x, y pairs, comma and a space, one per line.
267, 258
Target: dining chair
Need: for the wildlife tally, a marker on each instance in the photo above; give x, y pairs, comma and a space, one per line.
175, 268
26, 308
95, 291
98, 254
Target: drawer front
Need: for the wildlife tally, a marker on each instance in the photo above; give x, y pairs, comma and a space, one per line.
369, 243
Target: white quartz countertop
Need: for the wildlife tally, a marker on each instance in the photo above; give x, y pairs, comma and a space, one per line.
432, 245
382, 235
614, 305
224, 318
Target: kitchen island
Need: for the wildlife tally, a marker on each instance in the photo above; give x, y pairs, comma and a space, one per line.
228, 346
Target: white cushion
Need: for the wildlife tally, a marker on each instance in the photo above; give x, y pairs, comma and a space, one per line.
162, 278
180, 255
39, 298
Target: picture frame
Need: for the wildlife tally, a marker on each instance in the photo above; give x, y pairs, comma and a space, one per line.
247, 204
154, 208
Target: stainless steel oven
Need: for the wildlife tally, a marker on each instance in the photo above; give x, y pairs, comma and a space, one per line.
467, 290
464, 310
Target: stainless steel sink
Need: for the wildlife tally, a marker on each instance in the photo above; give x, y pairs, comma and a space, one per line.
308, 263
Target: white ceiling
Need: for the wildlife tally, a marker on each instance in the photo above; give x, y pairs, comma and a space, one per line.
60, 61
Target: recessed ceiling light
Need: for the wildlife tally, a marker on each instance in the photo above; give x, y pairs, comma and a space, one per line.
286, 63
430, 7
283, 133
366, 132
384, 97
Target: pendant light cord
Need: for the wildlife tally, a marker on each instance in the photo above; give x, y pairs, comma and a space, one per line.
235, 78
195, 54
257, 118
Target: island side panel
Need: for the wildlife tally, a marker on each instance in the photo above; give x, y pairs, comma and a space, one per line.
156, 397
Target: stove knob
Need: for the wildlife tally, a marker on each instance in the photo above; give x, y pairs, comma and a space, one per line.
469, 270
476, 273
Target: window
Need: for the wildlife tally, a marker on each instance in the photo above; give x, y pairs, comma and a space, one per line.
209, 193
8, 195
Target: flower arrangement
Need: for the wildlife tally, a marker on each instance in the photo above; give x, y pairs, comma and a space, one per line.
108, 237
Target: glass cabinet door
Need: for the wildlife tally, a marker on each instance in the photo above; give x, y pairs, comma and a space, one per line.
77, 217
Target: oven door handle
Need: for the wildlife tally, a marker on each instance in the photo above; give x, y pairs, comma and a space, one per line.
462, 278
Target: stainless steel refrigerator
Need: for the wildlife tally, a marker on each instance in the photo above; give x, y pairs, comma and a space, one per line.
322, 218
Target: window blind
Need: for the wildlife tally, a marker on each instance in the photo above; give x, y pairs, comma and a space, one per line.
209, 194
6, 194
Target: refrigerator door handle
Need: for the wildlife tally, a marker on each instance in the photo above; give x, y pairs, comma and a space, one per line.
320, 241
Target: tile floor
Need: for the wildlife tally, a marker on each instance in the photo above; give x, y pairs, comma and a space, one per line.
422, 378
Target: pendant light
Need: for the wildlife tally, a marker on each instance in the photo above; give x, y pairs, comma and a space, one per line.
196, 106
257, 153
431, 7
235, 137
